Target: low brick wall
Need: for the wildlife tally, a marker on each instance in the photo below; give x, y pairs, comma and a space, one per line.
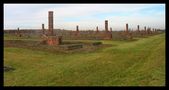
71, 47
96, 43
54, 40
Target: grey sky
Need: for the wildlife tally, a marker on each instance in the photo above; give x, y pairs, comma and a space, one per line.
87, 16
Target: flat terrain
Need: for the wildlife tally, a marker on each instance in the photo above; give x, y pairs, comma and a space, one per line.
126, 63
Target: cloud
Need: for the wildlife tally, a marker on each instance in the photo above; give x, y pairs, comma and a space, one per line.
87, 16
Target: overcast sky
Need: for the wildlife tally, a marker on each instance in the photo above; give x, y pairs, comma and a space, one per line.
87, 16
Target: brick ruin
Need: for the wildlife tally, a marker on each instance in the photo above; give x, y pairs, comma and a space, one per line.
19, 33
127, 34
43, 29
77, 31
53, 36
127, 28
83, 34
97, 29
50, 23
107, 35
77, 28
145, 30
138, 28
111, 29
106, 25
50, 38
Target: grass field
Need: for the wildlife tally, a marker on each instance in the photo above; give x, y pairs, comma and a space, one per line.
125, 63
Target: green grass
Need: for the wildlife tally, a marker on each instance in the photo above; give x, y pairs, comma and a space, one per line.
126, 63
15, 37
